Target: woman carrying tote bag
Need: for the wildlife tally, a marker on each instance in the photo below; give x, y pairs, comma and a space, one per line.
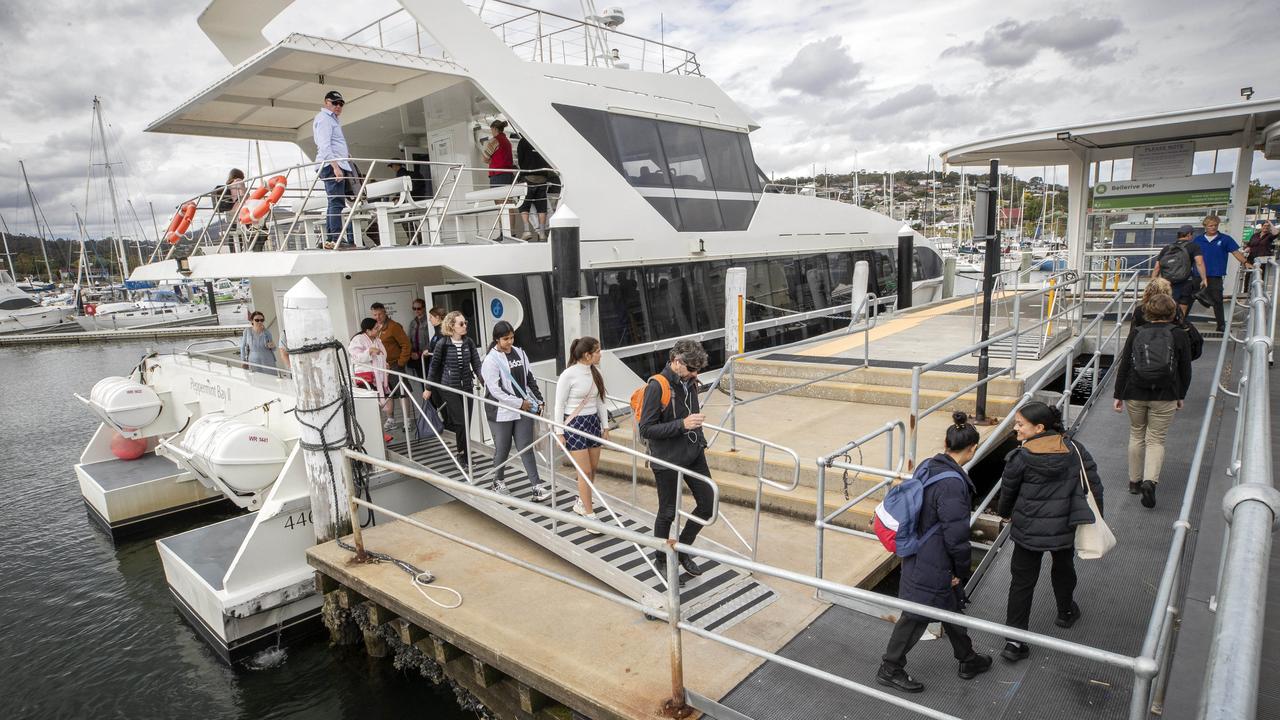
510, 382
1043, 497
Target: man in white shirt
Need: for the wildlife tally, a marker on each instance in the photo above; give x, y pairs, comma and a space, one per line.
331, 149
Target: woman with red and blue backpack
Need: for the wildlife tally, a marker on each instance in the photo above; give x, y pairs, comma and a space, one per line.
936, 573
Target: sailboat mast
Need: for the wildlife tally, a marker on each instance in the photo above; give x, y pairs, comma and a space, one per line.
36, 217
111, 190
8, 259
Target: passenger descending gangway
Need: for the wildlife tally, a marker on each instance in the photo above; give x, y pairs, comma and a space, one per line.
716, 600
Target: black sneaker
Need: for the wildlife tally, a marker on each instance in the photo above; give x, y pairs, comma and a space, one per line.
1015, 651
689, 565
1069, 618
899, 679
660, 565
975, 666
1133, 488
1148, 490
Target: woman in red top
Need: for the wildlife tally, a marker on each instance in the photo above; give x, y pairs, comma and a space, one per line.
498, 152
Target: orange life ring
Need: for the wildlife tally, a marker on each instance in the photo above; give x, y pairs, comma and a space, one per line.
90, 309
180, 222
262, 201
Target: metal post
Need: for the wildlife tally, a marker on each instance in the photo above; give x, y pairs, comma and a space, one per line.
675, 705
915, 415
1017, 328
906, 238
820, 514
566, 270
213, 302
991, 266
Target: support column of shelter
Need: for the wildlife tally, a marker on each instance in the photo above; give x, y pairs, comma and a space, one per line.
1240, 204
1078, 207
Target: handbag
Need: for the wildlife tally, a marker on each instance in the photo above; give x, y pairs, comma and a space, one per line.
1095, 539
428, 420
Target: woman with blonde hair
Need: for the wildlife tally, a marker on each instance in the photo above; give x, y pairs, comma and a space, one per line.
580, 404
1156, 288
455, 363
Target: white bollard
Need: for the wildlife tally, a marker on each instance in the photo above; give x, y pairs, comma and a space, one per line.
317, 381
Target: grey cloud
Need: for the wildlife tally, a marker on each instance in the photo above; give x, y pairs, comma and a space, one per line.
822, 69
1013, 44
924, 94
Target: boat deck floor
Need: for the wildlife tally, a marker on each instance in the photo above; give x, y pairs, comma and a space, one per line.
600, 657
116, 474
209, 550
1115, 594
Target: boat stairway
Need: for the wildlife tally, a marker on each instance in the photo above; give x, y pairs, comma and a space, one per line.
719, 598
1030, 347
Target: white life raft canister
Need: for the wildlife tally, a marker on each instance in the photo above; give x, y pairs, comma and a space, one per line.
244, 457
129, 404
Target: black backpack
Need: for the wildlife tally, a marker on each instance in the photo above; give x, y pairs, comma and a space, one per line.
1152, 358
1175, 263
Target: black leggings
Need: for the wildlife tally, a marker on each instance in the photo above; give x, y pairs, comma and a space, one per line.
1024, 565
666, 480
455, 418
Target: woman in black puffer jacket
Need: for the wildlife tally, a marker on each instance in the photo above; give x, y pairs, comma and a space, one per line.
455, 362
1042, 496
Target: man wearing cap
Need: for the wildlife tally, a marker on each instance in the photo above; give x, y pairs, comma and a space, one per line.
331, 149
421, 187
1217, 247
1184, 289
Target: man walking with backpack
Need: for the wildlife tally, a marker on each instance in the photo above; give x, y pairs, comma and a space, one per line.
1216, 248
670, 420
1182, 264
1151, 382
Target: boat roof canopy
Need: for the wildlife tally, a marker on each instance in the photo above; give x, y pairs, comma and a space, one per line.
1213, 128
275, 94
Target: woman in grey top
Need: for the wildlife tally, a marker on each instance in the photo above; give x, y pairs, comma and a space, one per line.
256, 345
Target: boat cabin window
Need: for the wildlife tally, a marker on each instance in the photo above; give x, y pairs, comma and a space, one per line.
708, 172
18, 303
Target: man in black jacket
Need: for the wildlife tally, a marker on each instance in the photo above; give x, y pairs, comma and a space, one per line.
674, 433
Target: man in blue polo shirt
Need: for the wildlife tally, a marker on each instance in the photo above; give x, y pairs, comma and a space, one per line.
335, 168
1217, 247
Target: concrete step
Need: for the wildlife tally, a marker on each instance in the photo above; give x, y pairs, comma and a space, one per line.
892, 377
872, 394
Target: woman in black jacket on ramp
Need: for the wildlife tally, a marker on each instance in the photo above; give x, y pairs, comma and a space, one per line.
937, 573
455, 362
1043, 498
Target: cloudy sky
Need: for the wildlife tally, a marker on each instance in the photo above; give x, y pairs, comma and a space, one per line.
887, 84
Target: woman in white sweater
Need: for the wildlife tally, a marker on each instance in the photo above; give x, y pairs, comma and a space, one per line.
580, 404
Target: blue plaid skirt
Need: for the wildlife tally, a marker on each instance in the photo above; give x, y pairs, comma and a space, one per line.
587, 424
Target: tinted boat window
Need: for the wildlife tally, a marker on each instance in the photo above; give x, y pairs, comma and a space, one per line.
728, 168
686, 158
592, 125
640, 151
737, 214
18, 304
699, 215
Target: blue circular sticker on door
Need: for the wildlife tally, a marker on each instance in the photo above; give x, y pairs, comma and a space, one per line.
495, 308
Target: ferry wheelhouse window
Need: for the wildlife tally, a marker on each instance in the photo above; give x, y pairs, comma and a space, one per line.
699, 179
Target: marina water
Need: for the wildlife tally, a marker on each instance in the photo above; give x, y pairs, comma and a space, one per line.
90, 630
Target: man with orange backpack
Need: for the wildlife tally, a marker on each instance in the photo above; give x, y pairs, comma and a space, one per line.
670, 420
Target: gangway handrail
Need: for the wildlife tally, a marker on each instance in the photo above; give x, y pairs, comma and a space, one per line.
563, 428
761, 480
672, 612
1252, 507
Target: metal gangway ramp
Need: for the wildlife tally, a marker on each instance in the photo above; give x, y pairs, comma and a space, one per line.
717, 599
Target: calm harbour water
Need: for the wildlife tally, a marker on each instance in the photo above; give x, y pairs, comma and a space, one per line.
88, 629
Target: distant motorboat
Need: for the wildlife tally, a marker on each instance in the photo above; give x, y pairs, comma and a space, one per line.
21, 312
159, 306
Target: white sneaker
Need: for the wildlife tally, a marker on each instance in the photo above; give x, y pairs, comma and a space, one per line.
390, 424
582, 511
541, 493
500, 487
527, 236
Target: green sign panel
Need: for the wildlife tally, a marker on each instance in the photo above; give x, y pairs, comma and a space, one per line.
1163, 199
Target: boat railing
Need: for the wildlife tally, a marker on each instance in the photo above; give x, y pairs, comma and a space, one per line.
808, 190
462, 207
227, 358
536, 35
